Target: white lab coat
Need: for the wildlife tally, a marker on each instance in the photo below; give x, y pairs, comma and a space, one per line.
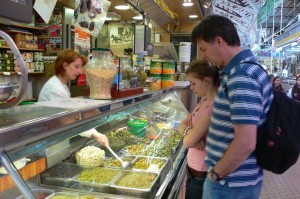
54, 89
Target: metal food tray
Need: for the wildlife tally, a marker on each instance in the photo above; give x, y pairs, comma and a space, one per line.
136, 192
100, 187
162, 172
57, 180
120, 167
166, 160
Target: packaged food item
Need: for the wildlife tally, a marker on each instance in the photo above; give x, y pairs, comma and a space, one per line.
101, 72
167, 81
90, 15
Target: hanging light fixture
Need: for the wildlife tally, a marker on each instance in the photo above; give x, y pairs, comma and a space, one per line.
138, 17
187, 3
193, 16
122, 7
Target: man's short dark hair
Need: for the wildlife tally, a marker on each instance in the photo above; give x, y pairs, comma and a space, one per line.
216, 25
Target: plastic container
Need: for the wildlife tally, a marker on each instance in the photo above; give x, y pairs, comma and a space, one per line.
137, 127
100, 72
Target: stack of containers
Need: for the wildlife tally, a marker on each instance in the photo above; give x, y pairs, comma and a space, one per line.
156, 72
168, 74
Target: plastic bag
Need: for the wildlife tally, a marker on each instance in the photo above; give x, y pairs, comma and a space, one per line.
90, 15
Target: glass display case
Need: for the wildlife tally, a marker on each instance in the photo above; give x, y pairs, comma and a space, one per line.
52, 158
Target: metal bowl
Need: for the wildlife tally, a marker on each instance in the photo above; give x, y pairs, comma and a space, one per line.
6, 90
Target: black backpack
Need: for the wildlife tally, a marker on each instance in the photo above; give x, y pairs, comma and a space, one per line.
278, 142
278, 139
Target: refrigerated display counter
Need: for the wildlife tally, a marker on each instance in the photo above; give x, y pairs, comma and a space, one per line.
44, 140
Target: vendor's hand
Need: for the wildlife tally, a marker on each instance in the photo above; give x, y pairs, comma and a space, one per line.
101, 138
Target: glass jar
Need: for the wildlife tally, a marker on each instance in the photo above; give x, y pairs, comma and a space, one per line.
100, 72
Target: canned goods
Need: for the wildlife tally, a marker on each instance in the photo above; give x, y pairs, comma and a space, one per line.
167, 81
182, 77
42, 67
29, 56
156, 85
168, 68
8, 56
9, 68
36, 56
156, 67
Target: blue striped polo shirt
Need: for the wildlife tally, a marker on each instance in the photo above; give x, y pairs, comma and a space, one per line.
244, 97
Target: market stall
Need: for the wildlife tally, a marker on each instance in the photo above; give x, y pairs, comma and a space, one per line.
50, 144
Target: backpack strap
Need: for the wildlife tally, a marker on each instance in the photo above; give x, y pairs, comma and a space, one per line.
276, 93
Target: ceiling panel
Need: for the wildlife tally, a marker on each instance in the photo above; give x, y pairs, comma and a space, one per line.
174, 5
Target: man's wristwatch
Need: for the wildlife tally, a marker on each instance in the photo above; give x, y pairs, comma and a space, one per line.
214, 176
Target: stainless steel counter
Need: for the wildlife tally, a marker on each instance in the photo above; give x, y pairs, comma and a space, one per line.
25, 130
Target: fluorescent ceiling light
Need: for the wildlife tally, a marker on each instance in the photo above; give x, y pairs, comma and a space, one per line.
294, 44
193, 16
206, 4
187, 3
138, 17
122, 7
108, 19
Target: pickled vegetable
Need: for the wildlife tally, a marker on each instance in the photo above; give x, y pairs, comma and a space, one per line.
63, 197
112, 162
89, 197
137, 180
123, 135
174, 138
144, 163
98, 175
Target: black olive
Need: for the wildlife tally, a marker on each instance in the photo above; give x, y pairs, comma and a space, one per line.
92, 26
89, 4
84, 24
83, 6
98, 10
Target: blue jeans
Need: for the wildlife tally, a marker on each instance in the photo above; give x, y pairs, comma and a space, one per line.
194, 187
214, 190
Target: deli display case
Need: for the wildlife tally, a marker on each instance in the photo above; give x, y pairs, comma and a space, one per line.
44, 154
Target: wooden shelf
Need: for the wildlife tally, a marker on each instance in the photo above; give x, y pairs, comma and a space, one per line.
23, 49
15, 25
18, 31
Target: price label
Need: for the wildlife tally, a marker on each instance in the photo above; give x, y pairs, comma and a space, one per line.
6, 73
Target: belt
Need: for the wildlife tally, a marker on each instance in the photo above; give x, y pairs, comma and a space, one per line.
195, 173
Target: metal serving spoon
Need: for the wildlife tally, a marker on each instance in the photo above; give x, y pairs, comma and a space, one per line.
124, 164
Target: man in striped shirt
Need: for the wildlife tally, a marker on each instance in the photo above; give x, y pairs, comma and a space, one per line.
241, 105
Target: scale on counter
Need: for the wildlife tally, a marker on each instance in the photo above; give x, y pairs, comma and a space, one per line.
8, 89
